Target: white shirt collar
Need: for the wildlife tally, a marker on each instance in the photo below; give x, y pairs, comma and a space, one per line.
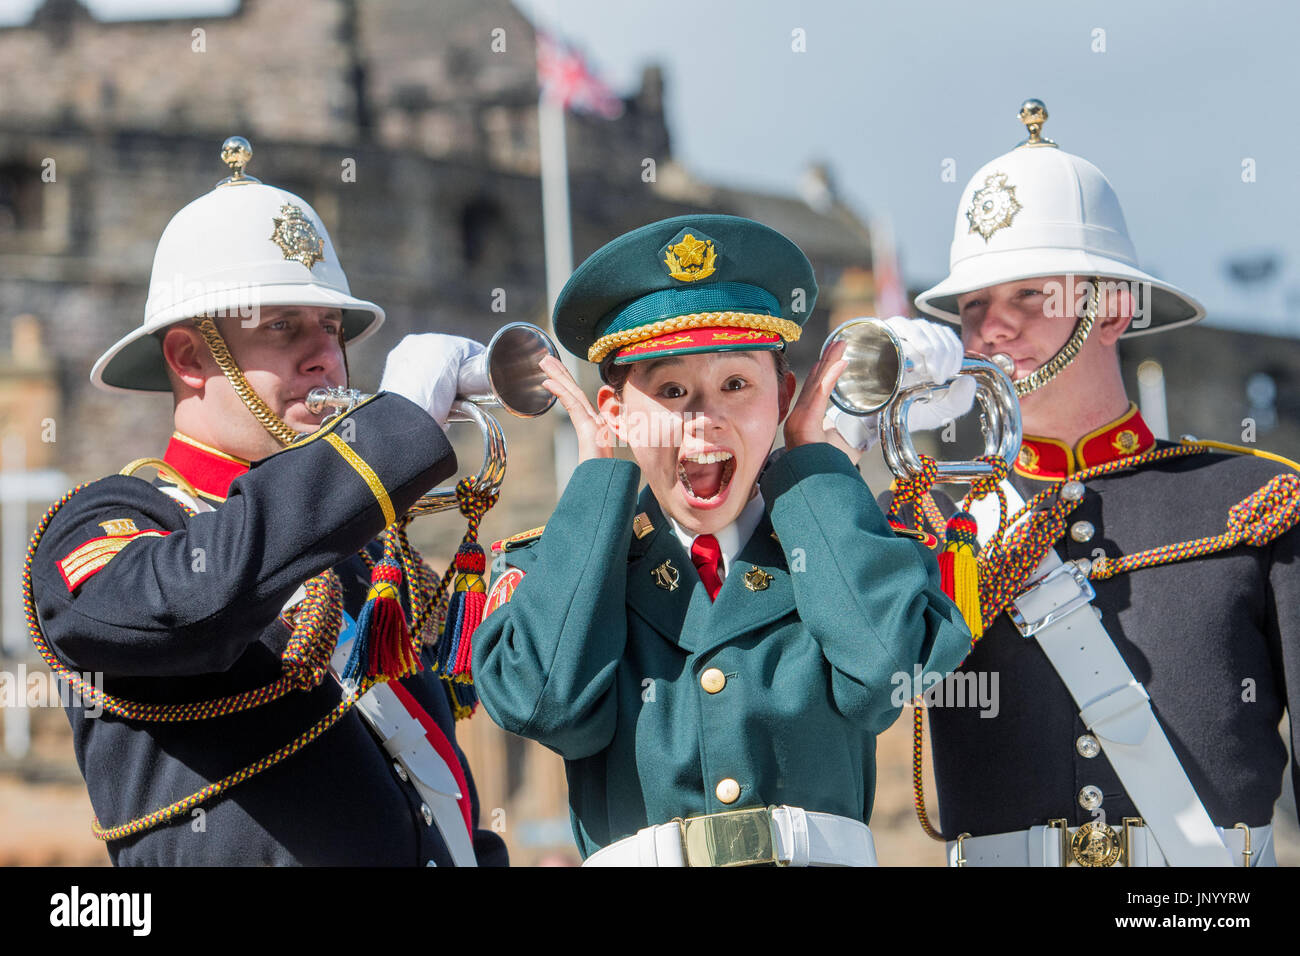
734, 536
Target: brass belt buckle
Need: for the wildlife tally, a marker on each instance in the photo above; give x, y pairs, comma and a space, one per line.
730, 838
1092, 845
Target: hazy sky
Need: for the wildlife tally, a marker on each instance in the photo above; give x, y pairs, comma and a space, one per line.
1182, 94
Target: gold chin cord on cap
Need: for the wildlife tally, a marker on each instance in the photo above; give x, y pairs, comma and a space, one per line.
1065, 355
252, 401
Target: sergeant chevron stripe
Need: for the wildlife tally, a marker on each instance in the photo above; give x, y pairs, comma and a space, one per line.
92, 556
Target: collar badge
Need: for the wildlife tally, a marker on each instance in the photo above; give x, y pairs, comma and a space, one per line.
666, 576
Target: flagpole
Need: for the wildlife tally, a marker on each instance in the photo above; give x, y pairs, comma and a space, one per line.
557, 242
556, 228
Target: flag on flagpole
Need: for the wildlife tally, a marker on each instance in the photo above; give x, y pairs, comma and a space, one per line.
565, 78
891, 294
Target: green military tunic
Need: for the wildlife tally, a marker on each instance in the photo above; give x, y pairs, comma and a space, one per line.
601, 659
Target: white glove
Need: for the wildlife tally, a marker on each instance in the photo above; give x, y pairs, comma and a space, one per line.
860, 431
936, 355
426, 369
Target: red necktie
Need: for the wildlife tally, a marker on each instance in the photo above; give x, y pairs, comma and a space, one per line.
706, 555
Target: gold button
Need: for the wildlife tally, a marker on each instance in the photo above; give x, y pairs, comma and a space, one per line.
728, 791
713, 680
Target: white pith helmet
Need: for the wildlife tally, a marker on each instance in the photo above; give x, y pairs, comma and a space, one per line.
1040, 211
240, 246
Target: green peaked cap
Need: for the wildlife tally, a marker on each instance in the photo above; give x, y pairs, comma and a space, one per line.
699, 265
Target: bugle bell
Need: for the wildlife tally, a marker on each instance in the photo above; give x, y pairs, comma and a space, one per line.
872, 383
504, 375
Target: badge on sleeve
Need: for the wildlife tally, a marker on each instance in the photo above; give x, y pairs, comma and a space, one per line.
92, 557
502, 590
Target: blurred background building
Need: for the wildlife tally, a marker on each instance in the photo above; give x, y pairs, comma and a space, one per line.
413, 131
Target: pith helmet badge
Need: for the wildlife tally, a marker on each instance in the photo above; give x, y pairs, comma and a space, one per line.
295, 234
992, 206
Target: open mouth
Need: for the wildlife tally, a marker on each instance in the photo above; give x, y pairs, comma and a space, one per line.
705, 476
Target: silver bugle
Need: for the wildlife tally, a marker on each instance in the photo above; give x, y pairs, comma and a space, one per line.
872, 383
504, 375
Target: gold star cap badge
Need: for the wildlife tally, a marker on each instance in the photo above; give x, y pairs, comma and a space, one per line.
296, 236
691, 258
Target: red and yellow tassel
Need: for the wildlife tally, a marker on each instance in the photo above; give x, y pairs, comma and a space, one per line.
959, 570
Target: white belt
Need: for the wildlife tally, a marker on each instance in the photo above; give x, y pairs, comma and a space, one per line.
1047, 846
786, 835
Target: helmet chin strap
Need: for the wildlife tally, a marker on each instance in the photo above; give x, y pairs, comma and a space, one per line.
1055, 365
252, 401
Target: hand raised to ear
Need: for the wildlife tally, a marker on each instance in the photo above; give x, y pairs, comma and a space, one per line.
807, 424
595, 438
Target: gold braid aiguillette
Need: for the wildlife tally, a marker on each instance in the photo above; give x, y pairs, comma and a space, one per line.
252, 401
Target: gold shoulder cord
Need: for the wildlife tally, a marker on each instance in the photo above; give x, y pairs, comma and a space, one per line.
164, 469
252, 401
1243, 450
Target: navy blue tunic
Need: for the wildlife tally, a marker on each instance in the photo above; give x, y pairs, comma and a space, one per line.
194, 615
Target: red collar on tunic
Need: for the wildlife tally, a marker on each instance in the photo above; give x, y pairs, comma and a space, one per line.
1052, 460
208, 470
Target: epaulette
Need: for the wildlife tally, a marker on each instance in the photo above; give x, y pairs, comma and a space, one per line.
516, 541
